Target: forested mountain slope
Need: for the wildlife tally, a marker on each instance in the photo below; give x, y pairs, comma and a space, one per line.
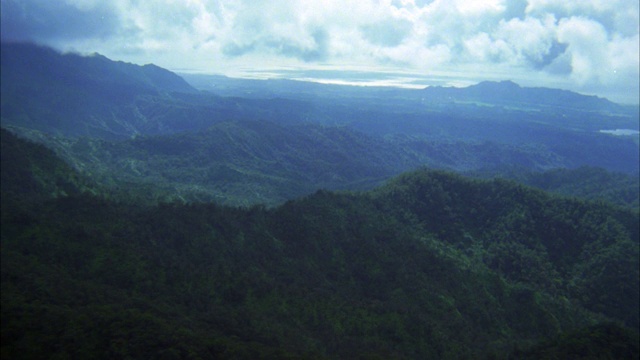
583, 182
431, 265
31, 171
247, 162
74, 95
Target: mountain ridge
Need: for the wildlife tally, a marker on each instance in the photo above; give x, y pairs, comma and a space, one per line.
25, 58
74, 95
509, 92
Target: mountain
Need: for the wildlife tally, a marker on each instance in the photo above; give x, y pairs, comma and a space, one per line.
509, 93
94, 74
91, 96
489, 92
74, 95
431, 265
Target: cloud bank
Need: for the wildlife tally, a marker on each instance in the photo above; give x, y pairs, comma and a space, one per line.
585, 45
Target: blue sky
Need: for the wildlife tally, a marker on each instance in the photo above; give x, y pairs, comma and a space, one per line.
590, 46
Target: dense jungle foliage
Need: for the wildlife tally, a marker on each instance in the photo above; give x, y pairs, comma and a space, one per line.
429, 265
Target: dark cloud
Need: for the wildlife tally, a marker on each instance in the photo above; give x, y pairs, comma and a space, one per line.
387, 33
556, 50
44, 21
560, 66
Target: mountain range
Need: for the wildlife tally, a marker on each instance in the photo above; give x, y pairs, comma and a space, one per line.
109, 99
149, 215
147, 127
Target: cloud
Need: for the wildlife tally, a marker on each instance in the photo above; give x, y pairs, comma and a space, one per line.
44, 21
583, 44
387, 33
587, 45
596, 56
313, 47
533, 41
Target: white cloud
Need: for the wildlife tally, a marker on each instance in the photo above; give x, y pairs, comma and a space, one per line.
586, 43
620, 16
530, 40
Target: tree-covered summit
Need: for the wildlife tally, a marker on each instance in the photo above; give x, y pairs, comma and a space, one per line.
431, 265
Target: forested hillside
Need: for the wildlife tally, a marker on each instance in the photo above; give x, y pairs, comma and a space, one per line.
30, 171
431, 265
248, 162
589, 183
142, 218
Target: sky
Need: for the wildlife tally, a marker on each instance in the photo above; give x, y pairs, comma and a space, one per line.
588, 46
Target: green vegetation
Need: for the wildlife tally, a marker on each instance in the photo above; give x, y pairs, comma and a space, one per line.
584, 182
118, 239
430, 265
259, 162
32, 172
602, 341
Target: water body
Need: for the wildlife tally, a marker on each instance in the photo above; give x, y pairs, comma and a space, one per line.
621, 132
